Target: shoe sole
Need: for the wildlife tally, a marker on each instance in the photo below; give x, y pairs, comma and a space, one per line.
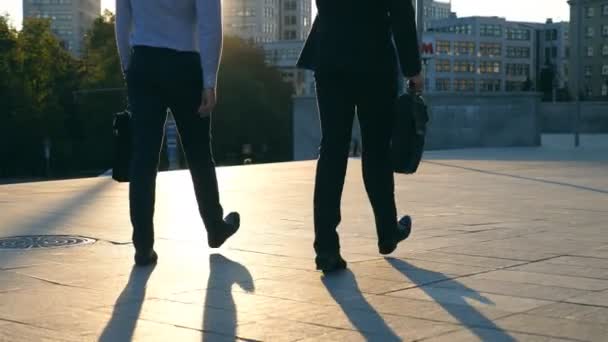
404, 221
236, 224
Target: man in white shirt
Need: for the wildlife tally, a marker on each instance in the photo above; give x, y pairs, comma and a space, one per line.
170, 53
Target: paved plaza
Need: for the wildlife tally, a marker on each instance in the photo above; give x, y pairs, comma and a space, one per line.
508, 245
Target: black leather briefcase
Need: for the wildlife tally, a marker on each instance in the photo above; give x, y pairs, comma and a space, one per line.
409, 132
122, 146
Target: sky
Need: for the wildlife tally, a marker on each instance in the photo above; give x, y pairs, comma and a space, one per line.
519, 10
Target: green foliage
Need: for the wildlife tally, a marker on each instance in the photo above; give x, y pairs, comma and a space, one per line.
254, 107
47, 94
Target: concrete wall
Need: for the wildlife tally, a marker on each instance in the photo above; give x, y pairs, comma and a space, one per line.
461, 121
457, 121
560, 117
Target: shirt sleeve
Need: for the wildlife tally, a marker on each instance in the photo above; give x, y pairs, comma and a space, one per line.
123, 26
209, 17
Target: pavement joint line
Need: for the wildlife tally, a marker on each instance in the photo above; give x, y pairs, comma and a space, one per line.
531, 179
7, 320
584, 256
211, 332
52, 282
414, 286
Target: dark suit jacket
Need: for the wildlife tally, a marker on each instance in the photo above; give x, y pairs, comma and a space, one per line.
357, 35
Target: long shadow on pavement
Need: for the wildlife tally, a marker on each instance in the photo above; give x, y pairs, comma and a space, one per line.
369, 323
128, 307
456, 304
221, 315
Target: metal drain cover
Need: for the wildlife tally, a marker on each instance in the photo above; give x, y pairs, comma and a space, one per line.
43, 241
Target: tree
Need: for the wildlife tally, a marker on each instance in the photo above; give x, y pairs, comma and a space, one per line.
254, 107
100, 95
8, 43
41, 77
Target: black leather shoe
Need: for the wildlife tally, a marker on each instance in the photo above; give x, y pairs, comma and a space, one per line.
146, 258
330, 263
404, 228
231, 225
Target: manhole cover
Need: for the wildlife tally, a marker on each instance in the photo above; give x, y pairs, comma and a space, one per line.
43, 241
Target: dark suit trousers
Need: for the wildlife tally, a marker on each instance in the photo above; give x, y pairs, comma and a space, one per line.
371, 97
160, 79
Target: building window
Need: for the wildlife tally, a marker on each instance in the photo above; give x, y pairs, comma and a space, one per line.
514, 85
590, 51
518, 52
490, 49
605, 9
442, 84
605, 30
605, 50
490, 30
443, 65
589, 12
604, 89
605, 69
590, 32
588, 70
443, 47
518, 69
489, 85
464, 48
518, 34
551, 35
464, 85
464, 66
487, 67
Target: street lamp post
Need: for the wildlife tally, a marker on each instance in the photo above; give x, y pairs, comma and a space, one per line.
578, 12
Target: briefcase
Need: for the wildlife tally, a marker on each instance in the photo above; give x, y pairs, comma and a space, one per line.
409, 132
122, 146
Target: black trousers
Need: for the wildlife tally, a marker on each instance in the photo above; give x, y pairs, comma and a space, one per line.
372, 97
159, 79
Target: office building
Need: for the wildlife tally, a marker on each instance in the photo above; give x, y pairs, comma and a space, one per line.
480, 55
70, 19
264, 21
295, 19
554, 53
284, 56
435, 10
589, 40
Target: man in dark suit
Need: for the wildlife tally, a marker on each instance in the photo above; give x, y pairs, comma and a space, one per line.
356, 49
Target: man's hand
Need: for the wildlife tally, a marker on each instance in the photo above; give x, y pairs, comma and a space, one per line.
417, 82
208, 102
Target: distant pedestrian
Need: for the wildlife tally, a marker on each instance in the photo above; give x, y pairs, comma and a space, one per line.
170, 53
352, 53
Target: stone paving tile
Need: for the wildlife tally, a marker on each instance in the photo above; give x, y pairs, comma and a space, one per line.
22, 332
568, 270
460, 259
467, 297
372, 325
577, 312
513, 289
597, 299
274, 329
498, 252
11, 281
51, 299
414, 264
480, 334
555, 327
429, 310
184, 315
545, 279
580, 261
